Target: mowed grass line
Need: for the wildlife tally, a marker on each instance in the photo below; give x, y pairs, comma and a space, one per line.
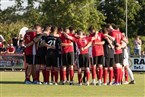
11, 85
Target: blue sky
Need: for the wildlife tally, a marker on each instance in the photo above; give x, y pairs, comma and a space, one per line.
8, 3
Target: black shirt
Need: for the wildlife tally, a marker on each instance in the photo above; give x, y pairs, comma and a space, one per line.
15, 41
41, 50
53, 41
108, 51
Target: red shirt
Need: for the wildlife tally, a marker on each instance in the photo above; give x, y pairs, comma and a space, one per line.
82, 42
118, 37
29, 38
11, 49
66, 49
1, 45
98, 50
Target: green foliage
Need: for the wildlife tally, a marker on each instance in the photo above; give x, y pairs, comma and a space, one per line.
9, 30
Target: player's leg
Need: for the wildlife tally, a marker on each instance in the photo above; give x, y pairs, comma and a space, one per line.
80, 70
129, 72
121, 68
71, 67
117, 69
95, 60
111, 72
29, 61
38, 66
87, 69
100, 67
48, 68
105, 71
55, 66
64, 63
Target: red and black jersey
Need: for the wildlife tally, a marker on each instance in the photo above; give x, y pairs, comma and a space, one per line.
98, 50
118, 37
67, 49
29, 36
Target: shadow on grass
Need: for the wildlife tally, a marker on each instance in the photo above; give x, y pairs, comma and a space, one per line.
11, 82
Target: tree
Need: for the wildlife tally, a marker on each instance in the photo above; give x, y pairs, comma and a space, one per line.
76, 13
114, 10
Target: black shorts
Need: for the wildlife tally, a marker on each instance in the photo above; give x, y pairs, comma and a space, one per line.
30, 59
109, 62
83, 60
51, 60
68, 59
118, 58
98, 60
40, 60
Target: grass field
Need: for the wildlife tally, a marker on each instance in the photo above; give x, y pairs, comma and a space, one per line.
11, 85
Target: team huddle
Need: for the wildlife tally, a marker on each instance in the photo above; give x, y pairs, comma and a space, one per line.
59, 52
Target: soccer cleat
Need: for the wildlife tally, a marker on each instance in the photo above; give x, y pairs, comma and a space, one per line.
126, 82
35, 82
80, 84
55, 84
116, 84
110, 84
28, 82
99, 82
50, 83
45, 83
39, 83
132, 82
87, 83
105, 84
71, 83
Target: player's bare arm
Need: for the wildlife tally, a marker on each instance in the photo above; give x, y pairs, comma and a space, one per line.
99, 43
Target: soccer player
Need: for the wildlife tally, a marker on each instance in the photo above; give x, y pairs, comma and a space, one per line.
67, 56
82, 43
115, 33
127, 70
52, 43
29, 55
109, 56
40, 55
98, 55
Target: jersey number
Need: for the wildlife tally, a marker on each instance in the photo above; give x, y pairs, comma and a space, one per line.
51, 42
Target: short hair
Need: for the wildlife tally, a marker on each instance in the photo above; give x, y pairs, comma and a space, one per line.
36, 25
79, 32
104, 30
53, 28
71, 29
91, 28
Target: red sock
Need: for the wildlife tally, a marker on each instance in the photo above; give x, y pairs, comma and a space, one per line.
121, 75
37, 75
80, 77
47, 74
43, 73
126, 74
27, 78
100, 73
93, 72
97, 73
64, 75
105, 75
110, 75
56, 76
117, 75
71, 74
88, 75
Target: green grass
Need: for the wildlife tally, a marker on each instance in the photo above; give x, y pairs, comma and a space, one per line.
11, 85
